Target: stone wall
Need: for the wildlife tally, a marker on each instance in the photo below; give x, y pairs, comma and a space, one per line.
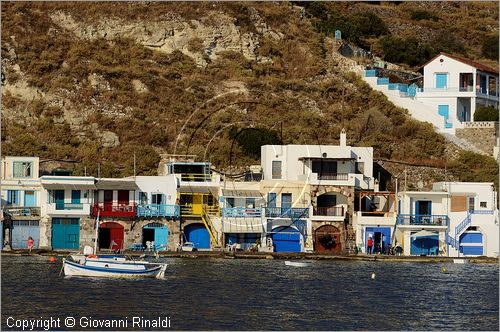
482, 135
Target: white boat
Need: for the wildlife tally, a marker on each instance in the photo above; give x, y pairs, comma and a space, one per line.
296, 264
460, 261
188, 246
110, 266
97, 267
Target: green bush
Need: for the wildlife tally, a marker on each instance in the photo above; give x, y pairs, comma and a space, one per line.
251, 139
486, 113
420, 14
409, 50
490, 47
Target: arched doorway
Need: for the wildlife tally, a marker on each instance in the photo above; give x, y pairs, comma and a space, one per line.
198, 234
286, 239
157, 233
327, 238
111, 235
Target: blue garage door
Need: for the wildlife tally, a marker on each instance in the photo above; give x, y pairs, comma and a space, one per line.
65, 233
471, 243
161, 235
198, 234
424, 245
286, 239
22, 230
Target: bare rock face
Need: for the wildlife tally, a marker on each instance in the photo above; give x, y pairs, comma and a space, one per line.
216, 31
109, 139
139, 87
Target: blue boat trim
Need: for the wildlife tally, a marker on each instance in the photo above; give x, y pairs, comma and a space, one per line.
103, 269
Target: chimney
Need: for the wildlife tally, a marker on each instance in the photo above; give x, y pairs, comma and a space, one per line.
343, 138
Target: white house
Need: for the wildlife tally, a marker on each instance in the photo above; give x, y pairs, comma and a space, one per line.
473, 215
453, 88
453, 219
309, 190
456, 86
21, 200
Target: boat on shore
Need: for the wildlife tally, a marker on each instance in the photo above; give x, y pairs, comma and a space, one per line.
460, 261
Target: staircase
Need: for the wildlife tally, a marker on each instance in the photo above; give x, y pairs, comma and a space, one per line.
210, 227
350, 240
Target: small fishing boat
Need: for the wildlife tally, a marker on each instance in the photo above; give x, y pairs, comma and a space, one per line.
296, 264
110, 266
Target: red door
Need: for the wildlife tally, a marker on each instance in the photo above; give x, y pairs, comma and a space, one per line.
123, 197
116, 236
328, 238
108, 200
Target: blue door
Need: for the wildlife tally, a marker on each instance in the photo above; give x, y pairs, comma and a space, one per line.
441, 81
271, 200
65, 233
482, 83
198, 234
29, 198
424, 245
13, 197
423, 211
286, 239
471, 243
59, 198
22, 230
75, 196
161, 238
381, 237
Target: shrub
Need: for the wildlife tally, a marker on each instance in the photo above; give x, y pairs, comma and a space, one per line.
420, 14
251, 139
486, 113
405, 50
490, 47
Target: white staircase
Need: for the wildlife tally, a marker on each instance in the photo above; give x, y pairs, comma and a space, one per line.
418, 110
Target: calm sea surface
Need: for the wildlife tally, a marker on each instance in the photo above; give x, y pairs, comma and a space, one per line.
232, 294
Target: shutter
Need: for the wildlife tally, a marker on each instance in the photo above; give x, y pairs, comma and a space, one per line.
458, 203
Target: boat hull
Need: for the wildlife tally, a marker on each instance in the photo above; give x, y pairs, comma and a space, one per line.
296, 264
75, 269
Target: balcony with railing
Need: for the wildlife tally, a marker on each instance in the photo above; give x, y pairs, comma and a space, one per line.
158, 210
114, 210
422, 220
287, 212
22, 211
197, 210
332, 211
63, 208
241, 212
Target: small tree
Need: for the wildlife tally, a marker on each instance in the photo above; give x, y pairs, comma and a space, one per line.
486, 113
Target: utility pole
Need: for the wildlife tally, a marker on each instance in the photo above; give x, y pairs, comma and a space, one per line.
134, 164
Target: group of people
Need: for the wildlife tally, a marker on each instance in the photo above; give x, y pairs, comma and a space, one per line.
373, 248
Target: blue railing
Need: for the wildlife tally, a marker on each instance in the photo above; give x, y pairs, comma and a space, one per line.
403, 87
382, 80
241, 212
287, 212
158, 210
481, 212
463, 225
370, 73
451, 241
423, 219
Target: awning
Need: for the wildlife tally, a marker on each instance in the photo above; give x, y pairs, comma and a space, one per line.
424, 233
116, 185
196, 190
69, 186
241, 193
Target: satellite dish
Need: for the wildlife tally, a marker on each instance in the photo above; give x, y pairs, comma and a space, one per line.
88, 250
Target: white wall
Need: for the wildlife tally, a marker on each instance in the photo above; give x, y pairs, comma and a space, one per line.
8, 166
439, 201
158, 184
481, 191
448, 65
292, 167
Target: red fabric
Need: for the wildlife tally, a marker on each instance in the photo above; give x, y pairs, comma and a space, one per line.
370, 242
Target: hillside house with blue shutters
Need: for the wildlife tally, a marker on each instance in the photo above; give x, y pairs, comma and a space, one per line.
453, 88
453, 219
21, 200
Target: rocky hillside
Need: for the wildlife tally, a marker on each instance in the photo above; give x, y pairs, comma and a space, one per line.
95, 83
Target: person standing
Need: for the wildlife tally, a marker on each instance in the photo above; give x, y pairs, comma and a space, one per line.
31, 244
370, 245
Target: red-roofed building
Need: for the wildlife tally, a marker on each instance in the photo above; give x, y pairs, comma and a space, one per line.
455, 87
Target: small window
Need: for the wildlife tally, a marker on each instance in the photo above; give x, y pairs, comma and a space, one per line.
276, 169
483, 204
22, 169
143, 198
157, 198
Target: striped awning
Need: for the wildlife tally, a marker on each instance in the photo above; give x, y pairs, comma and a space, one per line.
241, 193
